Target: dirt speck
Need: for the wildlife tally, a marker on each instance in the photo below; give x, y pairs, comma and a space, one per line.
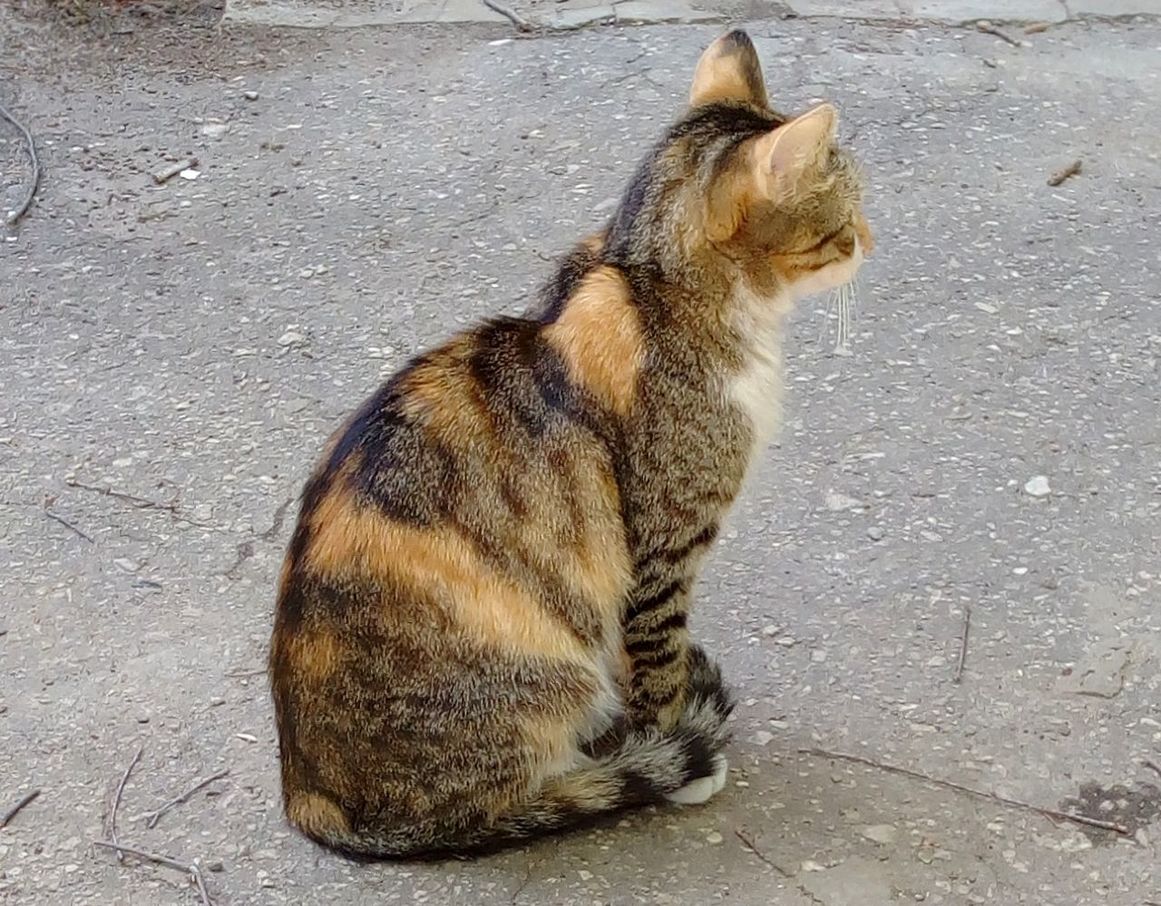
1132, 807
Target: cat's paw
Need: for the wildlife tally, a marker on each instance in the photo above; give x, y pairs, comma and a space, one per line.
703, 788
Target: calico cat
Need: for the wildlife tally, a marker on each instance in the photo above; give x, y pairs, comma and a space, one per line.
481, 627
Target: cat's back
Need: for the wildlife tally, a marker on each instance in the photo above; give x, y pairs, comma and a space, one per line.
473, 494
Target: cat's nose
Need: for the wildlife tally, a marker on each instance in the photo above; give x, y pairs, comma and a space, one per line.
866, 237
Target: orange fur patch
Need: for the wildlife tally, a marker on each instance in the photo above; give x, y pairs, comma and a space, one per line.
443, 395
350, 540
313, 653
316, 815
599, 336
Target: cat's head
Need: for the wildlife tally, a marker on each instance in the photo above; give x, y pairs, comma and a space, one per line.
737, 191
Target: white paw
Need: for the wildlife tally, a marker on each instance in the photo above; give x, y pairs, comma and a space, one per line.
721, 769
701, 790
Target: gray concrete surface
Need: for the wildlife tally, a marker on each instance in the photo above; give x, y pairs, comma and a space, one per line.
571, 14
361, 193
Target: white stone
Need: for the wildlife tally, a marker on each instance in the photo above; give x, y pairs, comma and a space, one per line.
836, 502
880, 833
1037, 486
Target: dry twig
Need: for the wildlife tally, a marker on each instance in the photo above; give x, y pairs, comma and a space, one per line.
153, 817
1073, 169
749, 844
16, 213
15, 810
980, 794
989, 29
192, 868
164, 176
139, 503
55, 518
111, 830
963, 643
522, 24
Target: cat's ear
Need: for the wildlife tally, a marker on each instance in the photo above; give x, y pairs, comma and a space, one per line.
782, 157
729, 71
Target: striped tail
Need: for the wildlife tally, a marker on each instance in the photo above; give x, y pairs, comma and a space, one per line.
684, 765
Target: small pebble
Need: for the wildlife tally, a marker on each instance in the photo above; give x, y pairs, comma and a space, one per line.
1037, 486
836, 502
713, 838
875, 533
880, 833
292, 338
250, 95
762, 738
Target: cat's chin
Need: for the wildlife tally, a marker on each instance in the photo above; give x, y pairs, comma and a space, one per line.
828, 278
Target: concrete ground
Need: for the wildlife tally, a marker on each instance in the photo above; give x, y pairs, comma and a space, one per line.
172, 357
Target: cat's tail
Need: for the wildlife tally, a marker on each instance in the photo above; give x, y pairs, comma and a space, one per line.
684, 765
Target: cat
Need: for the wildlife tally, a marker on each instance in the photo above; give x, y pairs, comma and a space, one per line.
481, 628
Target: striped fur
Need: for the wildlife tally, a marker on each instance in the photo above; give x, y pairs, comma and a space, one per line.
481, 632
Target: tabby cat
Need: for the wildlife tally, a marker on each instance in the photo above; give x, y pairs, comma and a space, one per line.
481, 627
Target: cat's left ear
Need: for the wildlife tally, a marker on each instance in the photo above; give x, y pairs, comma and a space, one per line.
729, 71
784, 156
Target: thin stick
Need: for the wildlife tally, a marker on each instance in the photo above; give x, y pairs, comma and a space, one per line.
192, 869
522, 24
15, 214
981, 794
55, 518
963, 643
140, 503
749, 844
153, 817
989, 29
164, 176
112, 831
1073, 169
15, 810
1151, 765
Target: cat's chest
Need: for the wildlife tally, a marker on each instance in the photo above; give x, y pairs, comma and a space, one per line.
753, 387
755, 391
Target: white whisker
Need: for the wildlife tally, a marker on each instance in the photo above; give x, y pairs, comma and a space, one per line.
842, 346
831, 302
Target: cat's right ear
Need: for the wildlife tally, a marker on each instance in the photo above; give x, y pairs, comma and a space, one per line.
782, 157
729, 71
